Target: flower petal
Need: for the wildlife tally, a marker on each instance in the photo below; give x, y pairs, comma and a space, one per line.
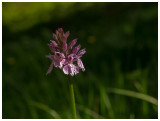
80, 64
55, 37
72, 43
51, 47
51, 57
76, 70
54, 43
76, 49
57, 63
60, 30
50, 68
81, 52
60, 33
63, 62
71, 69
64, 47
64, 38
67, 34
70, 58
59, 56
66, 69
57, 34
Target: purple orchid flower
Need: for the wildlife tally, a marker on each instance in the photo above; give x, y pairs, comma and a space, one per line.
64, 57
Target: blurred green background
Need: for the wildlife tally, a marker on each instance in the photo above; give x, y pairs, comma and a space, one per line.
121, 77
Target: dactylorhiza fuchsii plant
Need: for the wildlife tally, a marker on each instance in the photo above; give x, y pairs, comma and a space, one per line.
66, 57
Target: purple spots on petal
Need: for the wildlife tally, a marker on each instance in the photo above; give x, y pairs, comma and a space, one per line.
63, 62
59, 56
80, 64
66, 69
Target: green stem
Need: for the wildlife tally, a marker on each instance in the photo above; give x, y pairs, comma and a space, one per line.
72, 97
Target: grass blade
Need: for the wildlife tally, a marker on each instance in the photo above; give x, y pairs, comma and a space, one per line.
134, 94
90, 112
46, 109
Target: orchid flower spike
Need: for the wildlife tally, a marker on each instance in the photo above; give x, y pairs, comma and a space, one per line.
65, 56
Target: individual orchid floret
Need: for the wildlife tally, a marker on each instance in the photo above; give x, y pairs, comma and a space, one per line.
64, 57
54, 43
81, 52
52, 48
76, 49
67, 34
64, 47
72, 43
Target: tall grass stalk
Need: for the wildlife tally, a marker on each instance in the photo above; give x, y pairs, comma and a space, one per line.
72, 97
